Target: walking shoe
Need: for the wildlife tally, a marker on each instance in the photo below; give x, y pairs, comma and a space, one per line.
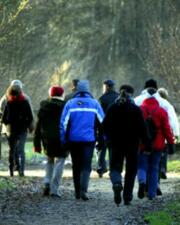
55, 195
117, 188
163, 175
141, 190
101, 172
21, 173
46, 190
84, 196
158, 192
77, 195
127, 202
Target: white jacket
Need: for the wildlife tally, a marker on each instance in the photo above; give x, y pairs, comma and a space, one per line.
173, 120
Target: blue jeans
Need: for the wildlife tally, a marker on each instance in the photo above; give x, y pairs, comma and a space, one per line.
81, 154
148, 171
16, 151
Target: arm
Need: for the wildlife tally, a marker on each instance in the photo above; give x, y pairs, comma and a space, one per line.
64, 120
37, 136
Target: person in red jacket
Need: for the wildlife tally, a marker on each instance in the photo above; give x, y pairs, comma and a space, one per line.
150, 162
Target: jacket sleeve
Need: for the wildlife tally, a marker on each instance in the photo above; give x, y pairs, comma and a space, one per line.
99, 112
37, 135
172, 117
107, 122
64, 120
167, 129
5, 115
29, 114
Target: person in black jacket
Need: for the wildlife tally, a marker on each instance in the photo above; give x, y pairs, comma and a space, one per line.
108, 98
47, 132
18, 118
124, 127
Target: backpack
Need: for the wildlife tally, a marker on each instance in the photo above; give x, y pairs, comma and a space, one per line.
151, 126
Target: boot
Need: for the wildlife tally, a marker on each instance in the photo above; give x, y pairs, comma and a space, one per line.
117, 188
46, 190
141, 190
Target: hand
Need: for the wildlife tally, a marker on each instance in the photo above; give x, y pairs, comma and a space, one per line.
171, 149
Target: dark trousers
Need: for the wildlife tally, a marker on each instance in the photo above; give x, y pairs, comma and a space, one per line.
81, 154
16, 151
117, 158
101, 163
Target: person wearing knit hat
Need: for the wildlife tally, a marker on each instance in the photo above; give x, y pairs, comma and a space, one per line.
151, 83
150, 91
47, 135
78, 125
17, 82
83, 86
19, 154
56, 91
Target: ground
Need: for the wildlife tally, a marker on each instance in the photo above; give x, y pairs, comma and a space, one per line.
23, 204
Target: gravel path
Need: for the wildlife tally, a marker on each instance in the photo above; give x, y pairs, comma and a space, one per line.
25, 205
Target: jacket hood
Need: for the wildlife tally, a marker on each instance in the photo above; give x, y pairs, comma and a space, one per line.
150, 103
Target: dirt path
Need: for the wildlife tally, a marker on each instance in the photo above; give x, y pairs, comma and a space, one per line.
26, 206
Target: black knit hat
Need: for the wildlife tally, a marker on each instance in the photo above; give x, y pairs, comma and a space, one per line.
151, 83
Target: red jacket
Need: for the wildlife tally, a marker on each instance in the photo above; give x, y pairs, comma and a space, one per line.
160, 118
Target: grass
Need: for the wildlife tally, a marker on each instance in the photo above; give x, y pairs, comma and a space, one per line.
32, 156
173, 166
6, 184
170, 215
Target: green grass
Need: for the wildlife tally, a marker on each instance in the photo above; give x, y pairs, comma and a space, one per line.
6, 185
174, 166
170, 215
32, 156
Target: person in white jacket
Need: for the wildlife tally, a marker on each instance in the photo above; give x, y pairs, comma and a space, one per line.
173, 120
164, 103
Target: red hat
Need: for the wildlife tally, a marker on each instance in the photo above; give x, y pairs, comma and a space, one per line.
56, 91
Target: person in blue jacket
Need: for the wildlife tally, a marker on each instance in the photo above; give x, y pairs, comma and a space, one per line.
80, 119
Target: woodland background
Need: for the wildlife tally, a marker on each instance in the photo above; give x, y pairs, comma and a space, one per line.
44, 42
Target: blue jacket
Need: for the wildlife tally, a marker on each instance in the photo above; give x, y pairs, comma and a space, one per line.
78, 119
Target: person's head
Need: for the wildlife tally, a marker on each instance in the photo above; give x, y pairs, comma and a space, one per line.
151, 83
56, 91
163, 93
14, 92
74, 83
126, 91
17, 82
108, 85
83, 86
127, 88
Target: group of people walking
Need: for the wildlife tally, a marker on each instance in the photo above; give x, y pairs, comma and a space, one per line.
78, 123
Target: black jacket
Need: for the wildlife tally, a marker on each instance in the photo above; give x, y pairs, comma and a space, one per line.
124, 126
107, 99
17, 116
47, 127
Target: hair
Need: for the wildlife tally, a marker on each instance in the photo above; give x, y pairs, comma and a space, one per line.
75, 82
163, 93
14, 90
128, 89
